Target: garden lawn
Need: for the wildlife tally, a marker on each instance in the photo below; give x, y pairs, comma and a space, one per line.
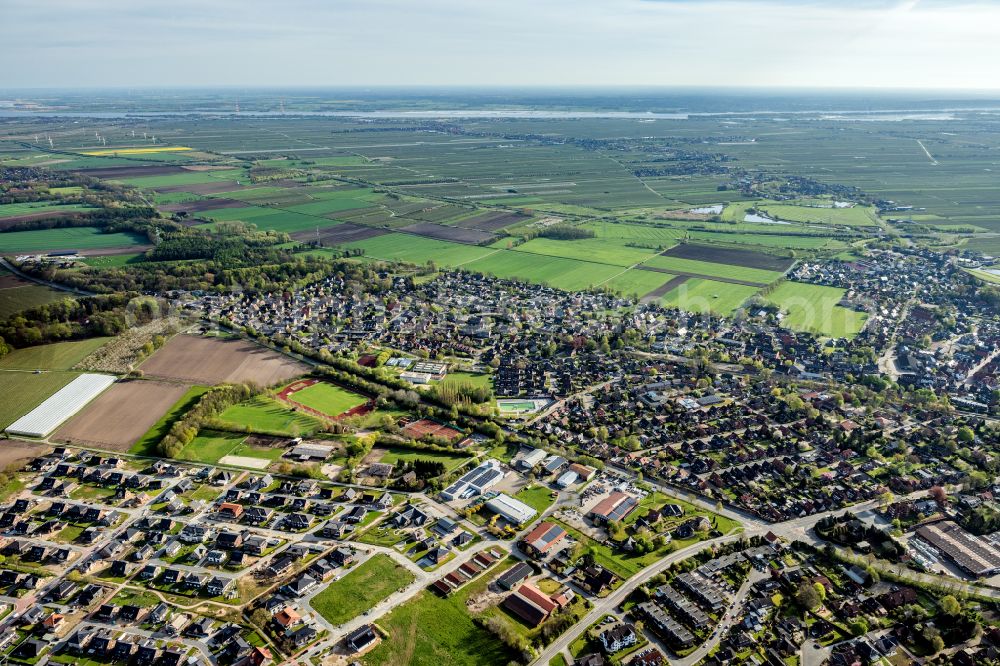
361, 589
262, 414
55, 356
813, 308
146, 446
328, 399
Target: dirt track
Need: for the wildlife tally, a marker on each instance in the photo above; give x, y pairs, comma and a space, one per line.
121, 415
203, 360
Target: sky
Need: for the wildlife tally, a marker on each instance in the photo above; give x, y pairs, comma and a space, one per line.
946, 44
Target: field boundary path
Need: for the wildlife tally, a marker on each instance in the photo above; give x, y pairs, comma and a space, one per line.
52, 285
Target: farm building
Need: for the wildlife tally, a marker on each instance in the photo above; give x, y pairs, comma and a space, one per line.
64, 403
512, 510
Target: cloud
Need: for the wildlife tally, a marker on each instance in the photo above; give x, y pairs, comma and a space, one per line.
853, 43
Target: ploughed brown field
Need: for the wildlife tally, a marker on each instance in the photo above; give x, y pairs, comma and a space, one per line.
454, 234
132, 171
203, 360
121, 415
347, 232
202, 205
493, 221
17, 453
722, 255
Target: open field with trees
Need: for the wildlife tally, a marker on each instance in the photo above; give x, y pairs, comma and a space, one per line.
815, 308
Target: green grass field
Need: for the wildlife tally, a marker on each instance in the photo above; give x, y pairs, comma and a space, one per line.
418, 250
396, 455
637, 283
146, 446
210, 446
56, 356
430, 631
597, 250
23, 391
113, 260
18, 299
360, 589
328, 399
16, 209
858, 216
814, 308
568, 274
265, 415
709, 269
993, 278
707, 296
70, 238
537, 497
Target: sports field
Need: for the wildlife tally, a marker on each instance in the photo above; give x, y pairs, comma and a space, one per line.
814, 308
328, 399
265, 415
707, 296
55, 356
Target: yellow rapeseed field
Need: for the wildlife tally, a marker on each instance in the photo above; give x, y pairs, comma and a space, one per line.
136, 151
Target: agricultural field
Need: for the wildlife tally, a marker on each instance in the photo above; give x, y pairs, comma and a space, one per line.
40, 209
146, 445
328, 398
210, 360
264, 415
700, 296
568, 274
55, 356
364, 586
24, 295
741, 274
857, 216
596, 250
117, 418
815, 308
23, 391
69, 238
417, 250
